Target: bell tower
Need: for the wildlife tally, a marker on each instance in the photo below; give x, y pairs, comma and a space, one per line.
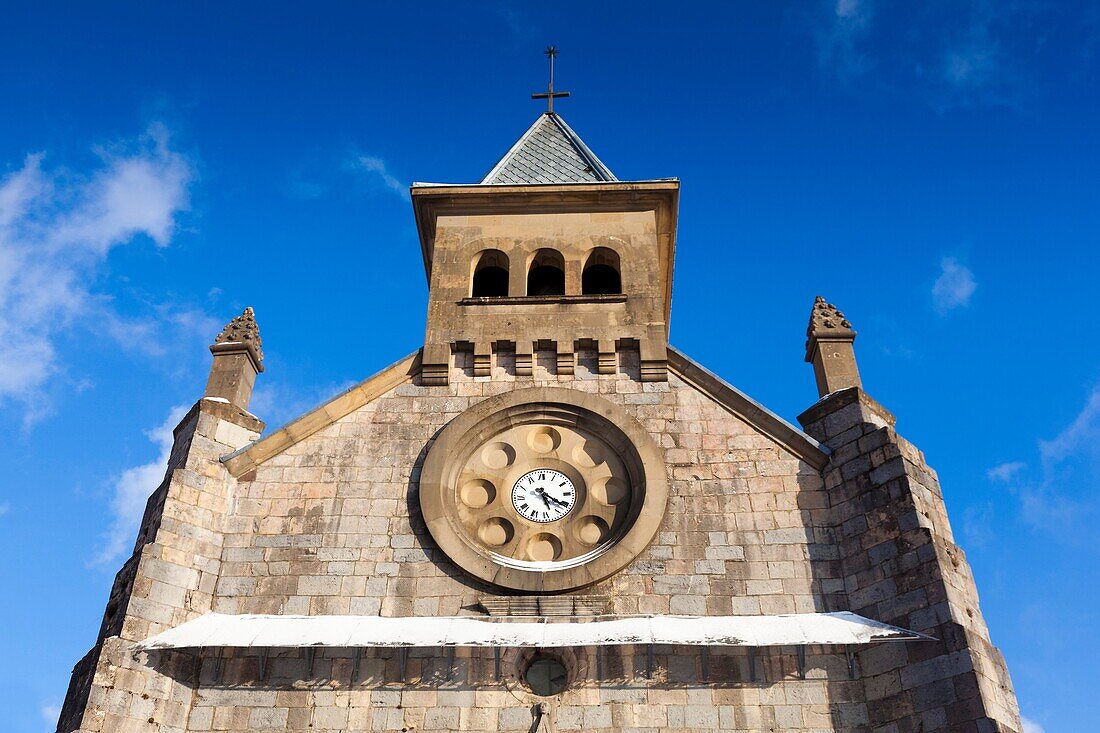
550, 252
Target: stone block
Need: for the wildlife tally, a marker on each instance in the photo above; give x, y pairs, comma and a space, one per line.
267, 718
442, 718
515, 718
937, 668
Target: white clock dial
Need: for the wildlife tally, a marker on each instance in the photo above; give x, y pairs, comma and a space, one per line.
543, 495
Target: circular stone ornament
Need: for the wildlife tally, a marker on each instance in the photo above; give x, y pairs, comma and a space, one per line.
546, 676
543, 490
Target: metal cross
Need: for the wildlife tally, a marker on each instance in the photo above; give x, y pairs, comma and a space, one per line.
550, 95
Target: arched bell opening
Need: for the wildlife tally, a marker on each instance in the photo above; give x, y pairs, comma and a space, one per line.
601, 274
490, 275
547, 273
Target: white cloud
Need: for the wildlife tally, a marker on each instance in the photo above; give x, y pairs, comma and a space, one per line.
50, 712
56, 231
978, 522
838, 40
970, 66
135, 194
1030, 726
953, 287
947, 52
4, 508
972, 58
1060, 497
1005, 472
1082, 433
851, 9
513, 21
378, 169
132, 489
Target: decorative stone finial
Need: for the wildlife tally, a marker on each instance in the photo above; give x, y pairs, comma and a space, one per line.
238, 358
829, 339
826, 317
243, 329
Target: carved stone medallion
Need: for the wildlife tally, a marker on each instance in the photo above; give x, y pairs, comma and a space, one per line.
543, 489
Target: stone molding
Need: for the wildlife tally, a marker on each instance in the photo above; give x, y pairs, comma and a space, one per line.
487, 354
231, 413
527, 300
227, 348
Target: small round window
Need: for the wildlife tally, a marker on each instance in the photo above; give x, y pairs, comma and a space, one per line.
546, 676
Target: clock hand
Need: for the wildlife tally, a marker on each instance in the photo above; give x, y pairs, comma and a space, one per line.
556, 500
546, 498
540, 491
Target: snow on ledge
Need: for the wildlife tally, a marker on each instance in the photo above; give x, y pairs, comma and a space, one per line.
244, 631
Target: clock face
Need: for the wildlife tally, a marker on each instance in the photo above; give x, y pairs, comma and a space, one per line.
543, 495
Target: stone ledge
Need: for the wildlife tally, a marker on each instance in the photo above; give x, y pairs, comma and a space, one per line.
544, 299
830, 403
231, 413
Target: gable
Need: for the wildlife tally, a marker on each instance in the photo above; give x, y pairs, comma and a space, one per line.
332, 521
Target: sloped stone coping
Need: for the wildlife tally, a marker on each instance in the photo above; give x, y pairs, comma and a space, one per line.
748, 409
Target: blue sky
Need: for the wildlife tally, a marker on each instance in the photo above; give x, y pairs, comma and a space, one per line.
931, 169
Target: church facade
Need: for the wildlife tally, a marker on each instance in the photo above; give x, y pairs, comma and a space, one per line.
547, 518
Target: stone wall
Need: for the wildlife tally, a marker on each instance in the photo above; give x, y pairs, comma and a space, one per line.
331, 525
901, 566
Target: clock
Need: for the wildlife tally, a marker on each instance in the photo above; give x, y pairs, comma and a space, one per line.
543, 490
543, 495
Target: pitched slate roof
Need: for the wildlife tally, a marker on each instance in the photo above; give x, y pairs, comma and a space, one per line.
549, 152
